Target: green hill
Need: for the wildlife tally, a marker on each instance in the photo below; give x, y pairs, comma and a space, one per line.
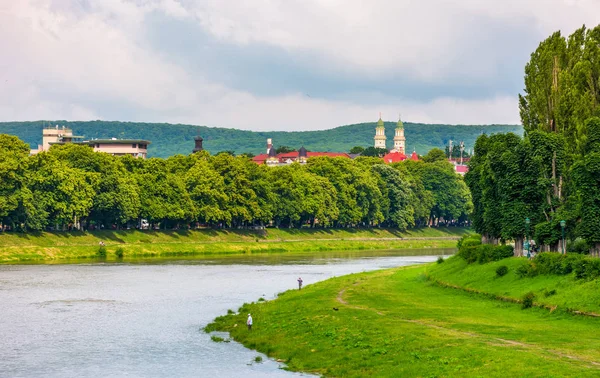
168, 139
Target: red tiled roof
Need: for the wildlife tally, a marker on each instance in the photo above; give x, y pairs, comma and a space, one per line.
259, 159
328, 154
394, 157
461, 168
414, 156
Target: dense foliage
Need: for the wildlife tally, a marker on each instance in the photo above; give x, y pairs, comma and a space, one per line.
552, 174
73, 186
168, 140
472, 250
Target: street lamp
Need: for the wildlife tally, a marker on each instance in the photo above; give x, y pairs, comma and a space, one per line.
562, 225
527, 221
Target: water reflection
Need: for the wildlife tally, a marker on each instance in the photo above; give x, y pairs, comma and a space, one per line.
143, 318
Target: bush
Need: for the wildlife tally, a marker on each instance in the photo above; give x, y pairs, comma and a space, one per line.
440, 260
119, 253
528, 300
578, 246
587, 268
526, 270
484, 253
101, 251
501, 270
217, 339
258, 359
549, 293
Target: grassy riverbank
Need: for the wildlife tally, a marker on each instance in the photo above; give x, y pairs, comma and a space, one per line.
398, 323
562, 293
18, 247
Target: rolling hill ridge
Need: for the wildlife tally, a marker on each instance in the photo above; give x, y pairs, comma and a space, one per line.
171, 139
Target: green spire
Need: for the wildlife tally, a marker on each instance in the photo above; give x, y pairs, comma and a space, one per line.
400, 125
380, 122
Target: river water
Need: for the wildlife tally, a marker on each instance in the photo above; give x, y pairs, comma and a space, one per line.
144, 318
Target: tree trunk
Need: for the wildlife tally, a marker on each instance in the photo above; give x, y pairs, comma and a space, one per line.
518, 252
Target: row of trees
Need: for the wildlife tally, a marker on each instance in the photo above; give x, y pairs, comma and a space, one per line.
553, 173
72, 186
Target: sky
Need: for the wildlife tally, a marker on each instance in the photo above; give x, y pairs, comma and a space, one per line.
274, 64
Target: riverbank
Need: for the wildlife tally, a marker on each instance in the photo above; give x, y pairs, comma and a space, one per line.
398, 323
44, 246
554, 292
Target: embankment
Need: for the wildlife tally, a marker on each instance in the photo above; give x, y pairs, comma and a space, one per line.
398, 323
32, 247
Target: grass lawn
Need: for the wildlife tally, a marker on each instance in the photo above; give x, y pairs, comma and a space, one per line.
396, 323
559, 292
18, 247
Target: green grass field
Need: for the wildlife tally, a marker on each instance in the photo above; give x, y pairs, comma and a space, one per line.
397, 323
18, 247
562, 293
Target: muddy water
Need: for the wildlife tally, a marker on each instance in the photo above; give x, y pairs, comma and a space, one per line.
144, 318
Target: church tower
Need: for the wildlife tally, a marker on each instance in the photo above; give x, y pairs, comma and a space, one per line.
399, 139
380, 134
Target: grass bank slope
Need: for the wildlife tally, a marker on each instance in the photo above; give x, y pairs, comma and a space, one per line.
17, 247
554, 291
396, 323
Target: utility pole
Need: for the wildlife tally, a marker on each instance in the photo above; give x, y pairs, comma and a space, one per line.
462, 148
450, 149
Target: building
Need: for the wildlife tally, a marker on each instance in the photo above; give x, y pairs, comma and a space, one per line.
137, 148
380, 134
399, 139
273, 159
56, 135
198, 144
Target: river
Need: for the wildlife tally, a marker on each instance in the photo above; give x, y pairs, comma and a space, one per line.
145, 318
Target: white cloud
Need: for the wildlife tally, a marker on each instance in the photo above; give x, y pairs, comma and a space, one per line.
74, 59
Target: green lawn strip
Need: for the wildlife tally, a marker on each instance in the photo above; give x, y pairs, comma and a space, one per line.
52, 239
397, 323
37, 253
570, 294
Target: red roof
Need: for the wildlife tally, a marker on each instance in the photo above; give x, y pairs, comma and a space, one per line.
329, 154
414, 156
461, 168
394, 157
259, 159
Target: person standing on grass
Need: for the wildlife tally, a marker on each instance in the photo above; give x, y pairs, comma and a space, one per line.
299, 283
249, 322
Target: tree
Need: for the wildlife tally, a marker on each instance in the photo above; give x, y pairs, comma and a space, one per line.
284, 149
374, 152
435, 154
357, 150
13, 165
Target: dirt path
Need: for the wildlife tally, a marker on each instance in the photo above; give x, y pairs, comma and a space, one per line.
495, 341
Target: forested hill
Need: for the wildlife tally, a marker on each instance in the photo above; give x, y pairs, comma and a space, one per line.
168, 139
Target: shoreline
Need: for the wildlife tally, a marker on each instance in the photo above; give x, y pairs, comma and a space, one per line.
80, 246
389, 323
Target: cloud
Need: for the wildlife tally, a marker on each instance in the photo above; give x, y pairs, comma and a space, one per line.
273, 65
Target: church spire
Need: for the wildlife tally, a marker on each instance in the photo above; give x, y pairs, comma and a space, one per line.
380, 134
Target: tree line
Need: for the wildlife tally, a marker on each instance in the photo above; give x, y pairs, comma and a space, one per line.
524, 187
71, 186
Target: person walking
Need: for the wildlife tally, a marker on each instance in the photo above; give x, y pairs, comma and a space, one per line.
299, 283
249, 322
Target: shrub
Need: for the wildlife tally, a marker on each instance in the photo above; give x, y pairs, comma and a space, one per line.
587, 268
526, 270
528, 300
230, 312
261, 299
484, 253
258, 359
578, 246
440, 260
119, 253
549, 293
468, 240
556, 263
501, 270
217, 339
101, 251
